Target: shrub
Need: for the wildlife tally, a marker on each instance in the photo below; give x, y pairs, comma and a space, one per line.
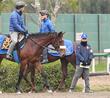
9, 76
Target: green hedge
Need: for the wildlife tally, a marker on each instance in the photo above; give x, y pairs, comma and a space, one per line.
9, 76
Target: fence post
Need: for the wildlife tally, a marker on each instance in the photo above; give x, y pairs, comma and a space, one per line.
93, 65
108, 64
0, 24
74, 19
98, 33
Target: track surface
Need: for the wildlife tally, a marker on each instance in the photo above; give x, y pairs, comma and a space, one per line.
97, 82
58, 95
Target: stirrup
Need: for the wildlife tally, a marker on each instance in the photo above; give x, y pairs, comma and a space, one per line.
9, 56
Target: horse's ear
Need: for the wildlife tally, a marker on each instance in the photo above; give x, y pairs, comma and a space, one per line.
60, 34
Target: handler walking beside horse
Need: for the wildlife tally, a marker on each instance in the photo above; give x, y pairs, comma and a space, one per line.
84, 57
46, 27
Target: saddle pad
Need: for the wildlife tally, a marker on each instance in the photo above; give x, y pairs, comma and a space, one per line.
2, 38
15, 54
6, 43
69, 49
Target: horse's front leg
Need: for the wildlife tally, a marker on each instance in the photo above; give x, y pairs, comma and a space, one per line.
22, 73
64, 64
19, 81
45, 77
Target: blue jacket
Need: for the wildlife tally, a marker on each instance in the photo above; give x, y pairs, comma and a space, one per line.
16, 22
83, 53
46, 26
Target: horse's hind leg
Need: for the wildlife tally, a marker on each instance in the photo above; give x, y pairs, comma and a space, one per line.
45, 78
64, 64
33, 78
19, 80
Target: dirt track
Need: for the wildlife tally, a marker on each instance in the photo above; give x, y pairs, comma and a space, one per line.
58, 95
100, 82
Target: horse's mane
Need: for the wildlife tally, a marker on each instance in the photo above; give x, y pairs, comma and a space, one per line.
35, 35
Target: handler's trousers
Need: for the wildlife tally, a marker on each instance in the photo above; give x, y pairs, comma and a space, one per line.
85, 73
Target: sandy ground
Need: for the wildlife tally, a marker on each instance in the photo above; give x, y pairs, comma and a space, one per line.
58, 95
102, 82
98, 82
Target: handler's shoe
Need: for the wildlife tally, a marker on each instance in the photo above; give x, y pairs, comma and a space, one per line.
90, 91
49, 91
0, 92
44, 61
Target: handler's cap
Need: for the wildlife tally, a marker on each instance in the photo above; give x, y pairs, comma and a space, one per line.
44, 12
84, 37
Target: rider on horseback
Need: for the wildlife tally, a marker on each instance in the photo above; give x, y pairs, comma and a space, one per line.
17, 28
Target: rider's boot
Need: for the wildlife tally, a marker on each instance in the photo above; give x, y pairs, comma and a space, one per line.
45, 58
10, 50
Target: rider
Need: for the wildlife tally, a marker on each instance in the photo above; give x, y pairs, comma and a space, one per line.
17, 28
84, 55
46, 27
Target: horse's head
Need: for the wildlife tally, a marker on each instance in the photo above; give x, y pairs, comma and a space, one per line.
57, 40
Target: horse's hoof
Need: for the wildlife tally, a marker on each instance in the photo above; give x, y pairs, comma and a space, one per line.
0, 92
49, 91
55, 91
18, 92
29, 92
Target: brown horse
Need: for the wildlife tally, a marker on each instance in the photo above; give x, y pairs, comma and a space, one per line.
30, 56
65, 60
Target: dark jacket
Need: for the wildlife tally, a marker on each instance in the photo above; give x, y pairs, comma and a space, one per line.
83, 54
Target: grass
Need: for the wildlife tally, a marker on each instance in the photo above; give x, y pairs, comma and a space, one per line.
100, 66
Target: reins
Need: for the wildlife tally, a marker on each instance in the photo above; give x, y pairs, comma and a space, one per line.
41, 45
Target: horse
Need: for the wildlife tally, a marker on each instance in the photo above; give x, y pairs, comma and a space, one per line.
30, 56
64, 60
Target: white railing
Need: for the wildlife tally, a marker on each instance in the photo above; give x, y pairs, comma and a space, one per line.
105, 54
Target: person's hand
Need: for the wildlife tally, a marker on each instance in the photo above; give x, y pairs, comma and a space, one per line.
84, 63
26, 32
27, 35
89, 62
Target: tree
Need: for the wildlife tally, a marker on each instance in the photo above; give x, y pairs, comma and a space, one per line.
73, 5
52, 6
6, 5
94, 6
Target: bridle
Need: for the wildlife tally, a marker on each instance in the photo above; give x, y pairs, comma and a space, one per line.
54, 42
